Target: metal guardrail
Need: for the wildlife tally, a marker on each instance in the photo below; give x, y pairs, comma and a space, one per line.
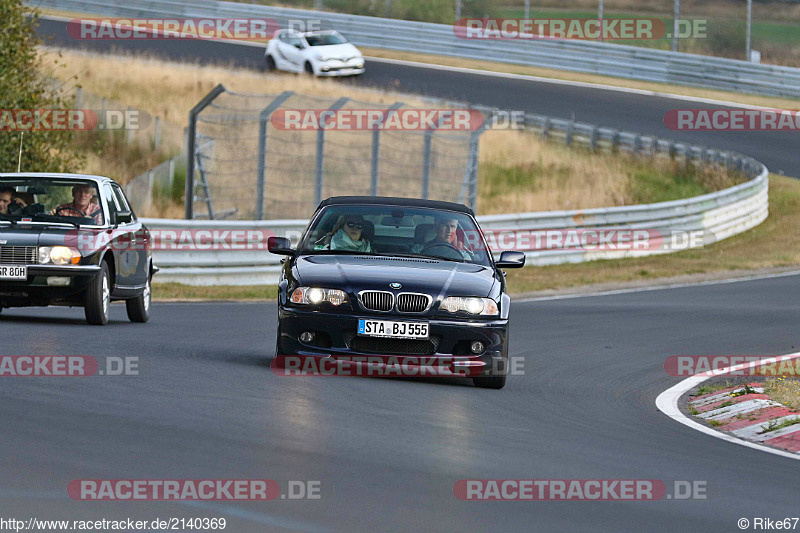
713, 216
578, 56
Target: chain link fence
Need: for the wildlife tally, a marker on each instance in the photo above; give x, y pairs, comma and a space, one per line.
251, 165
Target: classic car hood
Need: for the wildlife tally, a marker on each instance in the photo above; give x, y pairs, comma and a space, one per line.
337, 51
41, 235
355, 273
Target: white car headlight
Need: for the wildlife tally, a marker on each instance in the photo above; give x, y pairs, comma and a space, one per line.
473, 306
59, 255
316, 295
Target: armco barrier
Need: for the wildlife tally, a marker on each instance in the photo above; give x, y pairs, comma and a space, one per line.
715, 216
579, 56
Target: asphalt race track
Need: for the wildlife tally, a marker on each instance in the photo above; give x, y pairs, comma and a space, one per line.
632, 112
387, 452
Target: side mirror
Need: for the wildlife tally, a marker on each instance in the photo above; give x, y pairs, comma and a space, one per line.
280, 246
511, 260
123, 217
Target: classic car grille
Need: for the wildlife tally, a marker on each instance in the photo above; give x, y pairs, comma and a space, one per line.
377, 300
18, 255
412, 302
392, 346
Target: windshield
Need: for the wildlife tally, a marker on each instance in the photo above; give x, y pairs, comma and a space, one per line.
325, 39
394, 230
71, 201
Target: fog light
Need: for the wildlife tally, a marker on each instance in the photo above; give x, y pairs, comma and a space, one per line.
476, 347
57, 281
307, 337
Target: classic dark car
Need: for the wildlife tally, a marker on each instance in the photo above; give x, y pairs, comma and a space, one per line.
399, 278
72, 239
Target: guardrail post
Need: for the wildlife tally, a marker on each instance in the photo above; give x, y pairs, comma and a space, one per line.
615, 141
263, 118
570, 128
594, 138
376, 144
672, 149
546, 128
191, 143
78, 98
636, 142
338, 104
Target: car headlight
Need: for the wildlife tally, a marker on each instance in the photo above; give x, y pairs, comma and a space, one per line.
59, 255
316, 295
473, 306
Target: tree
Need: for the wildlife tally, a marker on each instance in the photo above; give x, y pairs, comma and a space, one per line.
23, 87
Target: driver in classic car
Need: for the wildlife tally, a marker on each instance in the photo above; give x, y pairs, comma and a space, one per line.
81, 205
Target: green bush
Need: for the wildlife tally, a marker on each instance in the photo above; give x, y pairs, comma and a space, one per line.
23, 88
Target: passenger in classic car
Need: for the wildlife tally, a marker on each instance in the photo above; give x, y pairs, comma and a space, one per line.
10, 204
82, 205
348, 234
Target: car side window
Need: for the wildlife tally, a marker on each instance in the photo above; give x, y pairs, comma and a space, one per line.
111, 202
122, 201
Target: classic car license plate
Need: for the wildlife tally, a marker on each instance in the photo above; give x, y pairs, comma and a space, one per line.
393, 329
13, 272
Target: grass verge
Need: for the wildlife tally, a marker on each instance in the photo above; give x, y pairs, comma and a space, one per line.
784, 390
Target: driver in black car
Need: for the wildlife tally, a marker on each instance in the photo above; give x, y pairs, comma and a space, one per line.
81, 205
446, 232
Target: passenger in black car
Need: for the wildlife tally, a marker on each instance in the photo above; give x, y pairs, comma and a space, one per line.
348, 234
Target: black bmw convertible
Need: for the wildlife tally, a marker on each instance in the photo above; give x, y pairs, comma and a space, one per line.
407, 280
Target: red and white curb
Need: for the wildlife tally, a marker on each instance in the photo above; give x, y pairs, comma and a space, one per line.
743, 419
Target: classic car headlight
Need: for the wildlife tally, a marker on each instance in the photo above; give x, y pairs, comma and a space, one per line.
59, 255
315, 295
473, 306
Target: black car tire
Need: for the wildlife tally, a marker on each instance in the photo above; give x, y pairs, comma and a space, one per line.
309, 69
97, 298
270, 64
139, 308
489, 381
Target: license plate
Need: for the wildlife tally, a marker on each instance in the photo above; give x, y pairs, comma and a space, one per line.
392, 329
13, 272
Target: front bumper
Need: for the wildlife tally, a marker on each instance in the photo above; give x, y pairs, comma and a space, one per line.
448, 346
339, 70
35, 291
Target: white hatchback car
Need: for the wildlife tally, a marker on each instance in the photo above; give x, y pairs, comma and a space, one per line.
323, 53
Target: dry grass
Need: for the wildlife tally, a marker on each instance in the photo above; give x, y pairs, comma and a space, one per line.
784, 390
519, 171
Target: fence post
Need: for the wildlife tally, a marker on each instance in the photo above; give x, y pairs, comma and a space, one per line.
263, 118
157, 137
568, 136
376, 144
78, 98
594, 138
191, 143
338, 104
546, 128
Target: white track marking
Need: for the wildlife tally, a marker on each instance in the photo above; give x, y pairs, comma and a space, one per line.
667, 403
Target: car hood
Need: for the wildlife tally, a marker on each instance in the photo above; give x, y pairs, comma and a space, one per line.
346, 50
40, 235
355, 273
